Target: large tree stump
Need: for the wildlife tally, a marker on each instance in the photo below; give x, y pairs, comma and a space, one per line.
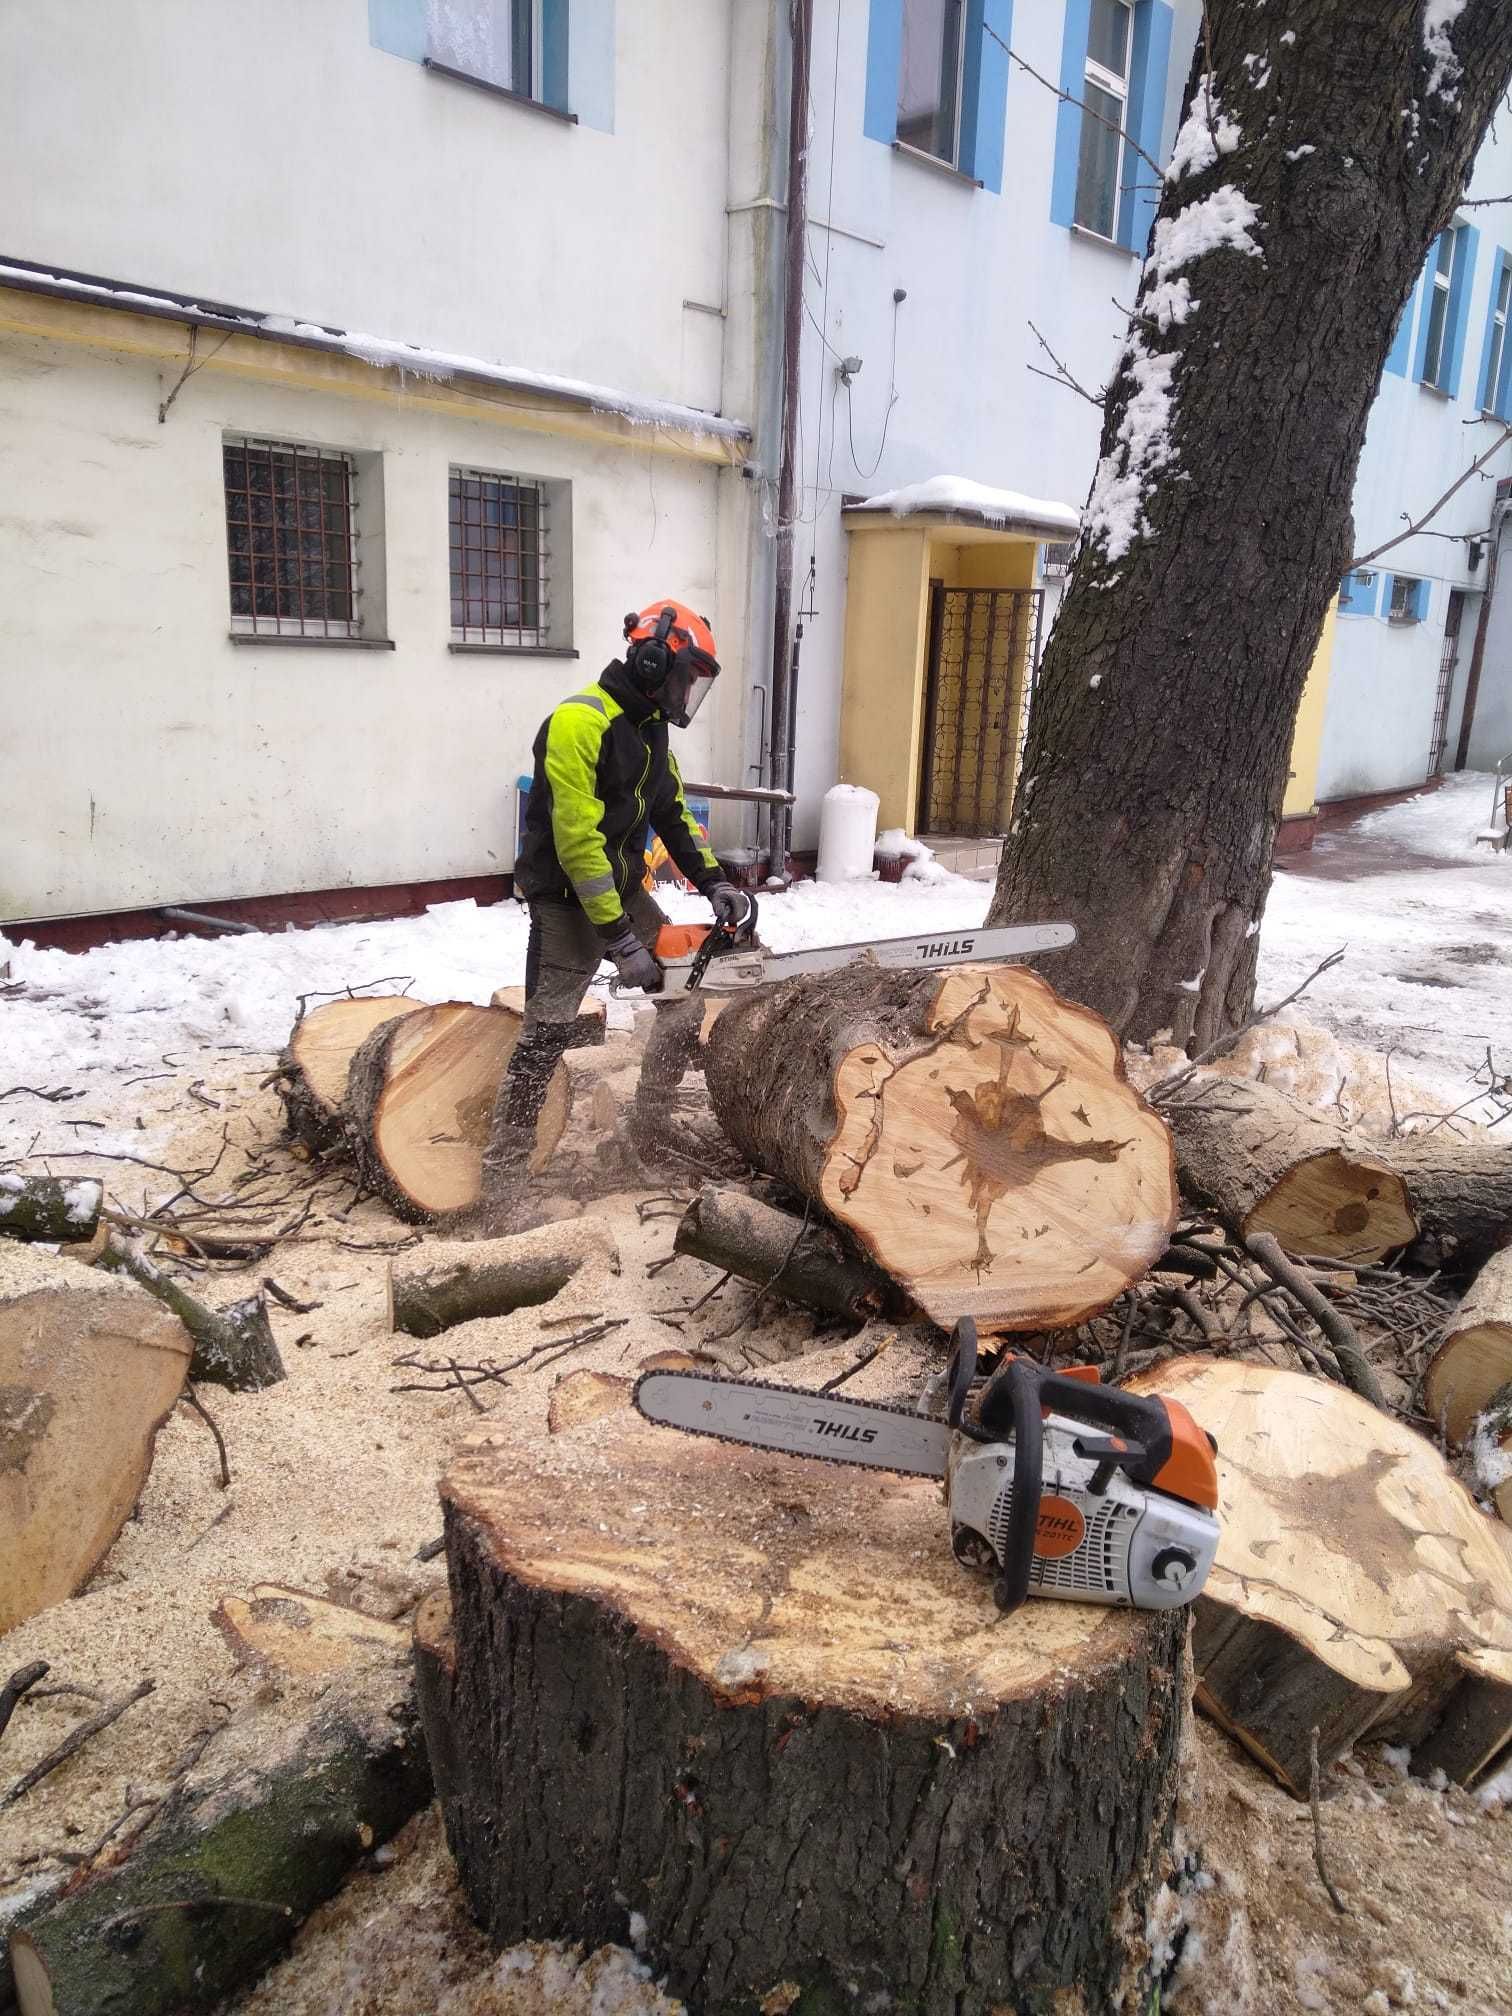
1357, 1586
1475, 1359
90, 1370
312, 1072
972, 1131
757, 1703
420, 1095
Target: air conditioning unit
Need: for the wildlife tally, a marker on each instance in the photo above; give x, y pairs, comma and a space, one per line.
1055, 563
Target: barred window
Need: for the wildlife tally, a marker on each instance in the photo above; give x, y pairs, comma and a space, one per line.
291, 535
499, 559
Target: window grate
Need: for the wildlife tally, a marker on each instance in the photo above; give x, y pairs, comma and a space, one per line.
291, 538
499, 559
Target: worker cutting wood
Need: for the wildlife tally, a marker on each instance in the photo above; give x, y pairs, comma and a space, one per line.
603, 772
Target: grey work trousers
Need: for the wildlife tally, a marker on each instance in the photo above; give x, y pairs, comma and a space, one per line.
565, 952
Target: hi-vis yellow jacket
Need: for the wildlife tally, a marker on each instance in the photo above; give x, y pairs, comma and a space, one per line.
603, 772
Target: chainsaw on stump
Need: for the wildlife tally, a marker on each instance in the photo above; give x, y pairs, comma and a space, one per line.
1056, 1485
717, 959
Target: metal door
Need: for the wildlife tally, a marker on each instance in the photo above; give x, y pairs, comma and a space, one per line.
1447, 659
983, 654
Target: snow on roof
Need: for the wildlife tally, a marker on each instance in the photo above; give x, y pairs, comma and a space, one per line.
384, 353
962, 498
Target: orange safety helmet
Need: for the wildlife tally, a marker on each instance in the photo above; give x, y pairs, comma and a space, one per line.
672, 657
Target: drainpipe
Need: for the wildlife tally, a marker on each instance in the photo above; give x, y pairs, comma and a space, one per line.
1499, 512
781, 718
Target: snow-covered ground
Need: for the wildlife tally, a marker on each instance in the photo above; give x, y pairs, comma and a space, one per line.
1427, 969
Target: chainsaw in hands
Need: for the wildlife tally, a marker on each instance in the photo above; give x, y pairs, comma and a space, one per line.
1056, 1484
721, 960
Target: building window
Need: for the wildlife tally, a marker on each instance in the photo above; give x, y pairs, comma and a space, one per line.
1099, 165
498, 42
1357, 593
1435, 348
930, 77
1494, 371
1408, 602
499, 560
291, 537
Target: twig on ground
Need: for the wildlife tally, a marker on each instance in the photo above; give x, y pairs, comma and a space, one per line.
75, 1740
431, 1548
205, 1531
1317, 1823
191, 1399
861, 1363
1354, 1368
287, 1301
709, 1293
20, 1682
53, 1098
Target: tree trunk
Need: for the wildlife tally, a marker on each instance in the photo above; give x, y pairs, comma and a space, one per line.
1461, 1193
234, 1346
89, 1371
795, 1742
216, 1885
312, 1073
1316, 168
420, 1095
1274, 1167
1357, 1586
777, 1251
50, 1208
447, 1283
1475, 1359
973, 1132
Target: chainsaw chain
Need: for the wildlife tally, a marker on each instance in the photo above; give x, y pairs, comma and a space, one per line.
803, 1392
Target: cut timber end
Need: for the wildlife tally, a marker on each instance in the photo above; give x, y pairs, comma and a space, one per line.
1475, 1359
1011, 1173
580, 1397
319, 1054
749, 1640
420, 1097
304, 1634
1340, 1205
1352, 1569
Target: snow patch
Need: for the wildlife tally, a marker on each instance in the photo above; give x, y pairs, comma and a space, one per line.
1115, 510
1223, 219
1206, 132
1496, 1791
1439, 16
1289, 36
1259, 71
1296, 153
1168, 302
1492, 1464
978, 500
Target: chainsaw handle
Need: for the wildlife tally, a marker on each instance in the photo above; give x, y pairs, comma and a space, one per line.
1138, 1417
1019, 1386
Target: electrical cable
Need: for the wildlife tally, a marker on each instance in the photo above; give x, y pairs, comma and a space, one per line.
892, 400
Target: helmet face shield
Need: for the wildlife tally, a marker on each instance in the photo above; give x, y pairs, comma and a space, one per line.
689, 678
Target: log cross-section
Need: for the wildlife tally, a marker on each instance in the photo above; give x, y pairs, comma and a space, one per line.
973, 1132
757, 1703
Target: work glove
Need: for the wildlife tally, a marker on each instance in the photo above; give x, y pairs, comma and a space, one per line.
635, 965
730, 907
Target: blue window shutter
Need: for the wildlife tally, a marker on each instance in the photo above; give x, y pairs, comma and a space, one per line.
1148, 68
1485, 391
1356, 597
1068, 117
884, 61
398, 27
1501, 391
554, 53
1461, 279
1422, 599
1424, 293
1400, 353
989, 25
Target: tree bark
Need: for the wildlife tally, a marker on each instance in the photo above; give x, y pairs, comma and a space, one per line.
89, 1372
234, 1346
1219, 522
456, 1283
1461, 1193
790, 1736
1358, 1588
972, 1132
1475, 1359
420, 1094
312, 1071
50, 1209
216, 1885
777, 1251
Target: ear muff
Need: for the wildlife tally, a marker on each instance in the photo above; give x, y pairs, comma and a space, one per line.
650, 660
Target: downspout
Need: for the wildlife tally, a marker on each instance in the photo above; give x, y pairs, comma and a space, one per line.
1499, 512
781, 719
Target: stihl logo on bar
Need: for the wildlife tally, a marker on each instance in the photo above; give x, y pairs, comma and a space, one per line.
945, 948
845, 1431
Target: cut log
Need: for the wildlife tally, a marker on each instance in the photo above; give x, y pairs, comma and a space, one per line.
215, 1886
233, 1346
90, 1370
1461, 1193
798, 1742
420, 1095
50, 1209
455, 1282
973, 1132
1265, 1164
1475, 1359
1358, 1588
777, 1251
580, 1397
300, 1633
312, 1074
